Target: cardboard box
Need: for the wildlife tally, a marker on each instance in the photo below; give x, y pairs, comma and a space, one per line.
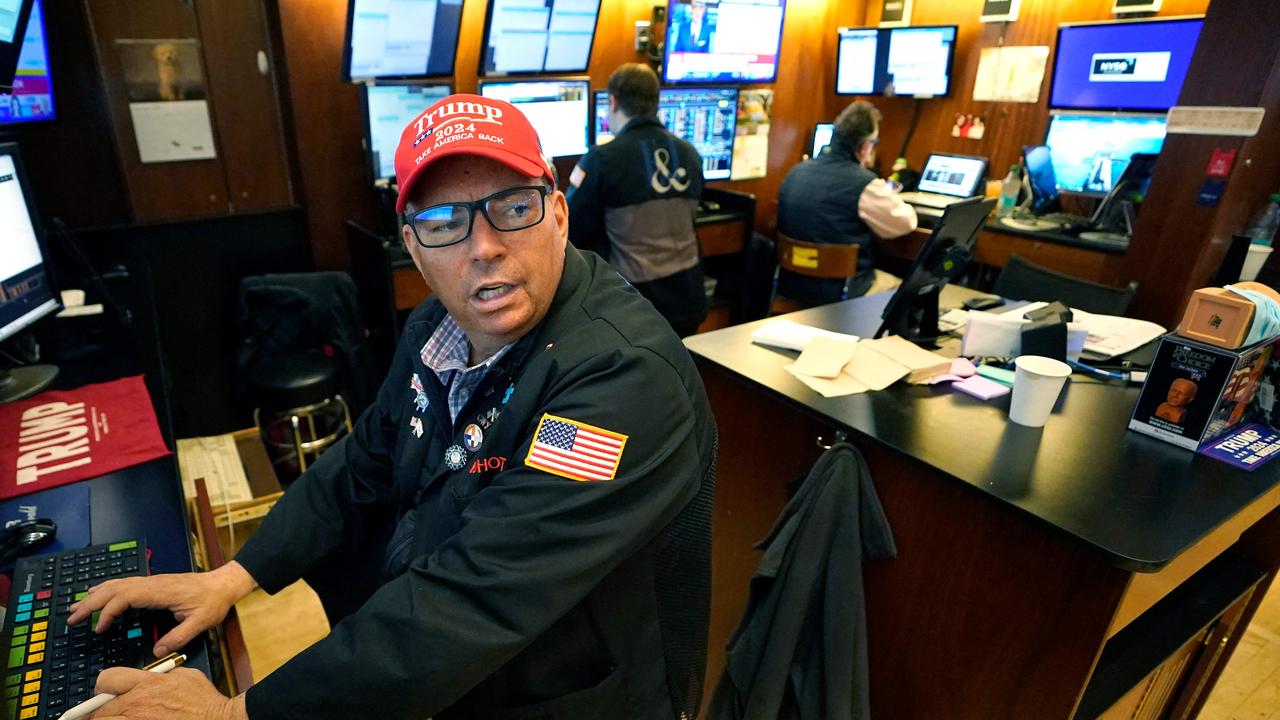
1196, 392
236, 521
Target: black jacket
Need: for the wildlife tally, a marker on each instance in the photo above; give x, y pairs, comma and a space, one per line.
632, 201
800, 650
530, 595
818, 203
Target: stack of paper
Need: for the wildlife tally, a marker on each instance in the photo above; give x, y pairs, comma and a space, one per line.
792, 335
836, 367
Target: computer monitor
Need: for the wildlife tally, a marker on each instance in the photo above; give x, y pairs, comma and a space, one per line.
1037, 163
403, 39
955, 175
537, 36
14, 16
387, 110
31, 99
558, 110
895, 61
1090, 151
25, 292
725, 41
822, 133
912, 312
1134, 65
707, 118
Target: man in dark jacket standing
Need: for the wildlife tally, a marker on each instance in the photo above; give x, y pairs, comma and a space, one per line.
834, 198
632, 201
517, 527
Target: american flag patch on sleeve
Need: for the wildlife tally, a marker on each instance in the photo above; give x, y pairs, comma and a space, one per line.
575, 450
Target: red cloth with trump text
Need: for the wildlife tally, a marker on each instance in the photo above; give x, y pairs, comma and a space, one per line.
63, 436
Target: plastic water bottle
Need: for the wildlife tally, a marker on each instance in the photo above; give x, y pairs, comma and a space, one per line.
1009, 188
1264, 225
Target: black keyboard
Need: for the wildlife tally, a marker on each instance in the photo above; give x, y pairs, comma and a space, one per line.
53, 667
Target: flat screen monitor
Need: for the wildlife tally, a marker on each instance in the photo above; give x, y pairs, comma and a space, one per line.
1038, 163
400, 38
954, 175
31, 99
558, 110
1135, 66
912, 61
537, 36
25, 293
705, 117
822, 133
14, 16
1090, 152
387, 110
725, 41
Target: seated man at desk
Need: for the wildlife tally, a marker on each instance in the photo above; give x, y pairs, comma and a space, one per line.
633, 201
516, 527
835, 198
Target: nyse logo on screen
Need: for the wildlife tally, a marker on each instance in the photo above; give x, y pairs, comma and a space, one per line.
1114, 66
1129, 67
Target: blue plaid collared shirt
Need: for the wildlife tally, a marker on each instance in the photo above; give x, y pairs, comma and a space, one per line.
446, 353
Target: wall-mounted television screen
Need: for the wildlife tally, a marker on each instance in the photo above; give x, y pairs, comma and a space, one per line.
895, 61
536, 36
388, 109
31, 98
403, 39
557, 109
1090, 151
706, 117
725, 41
1135, 66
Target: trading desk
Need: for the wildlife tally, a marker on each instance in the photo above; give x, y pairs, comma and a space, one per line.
1042, 573
1099, 261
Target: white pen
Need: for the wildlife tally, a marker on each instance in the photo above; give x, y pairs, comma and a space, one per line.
86, 708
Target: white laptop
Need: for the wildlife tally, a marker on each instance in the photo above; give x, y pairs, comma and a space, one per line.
948, 179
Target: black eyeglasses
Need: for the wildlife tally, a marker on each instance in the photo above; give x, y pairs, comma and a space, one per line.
506, 210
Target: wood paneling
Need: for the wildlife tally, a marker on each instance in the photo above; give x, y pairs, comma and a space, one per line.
994, 248
156, 191
325, 120
1178, 244
250, 136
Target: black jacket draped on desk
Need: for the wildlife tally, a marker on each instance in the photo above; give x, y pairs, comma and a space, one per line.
529, 595
800, 650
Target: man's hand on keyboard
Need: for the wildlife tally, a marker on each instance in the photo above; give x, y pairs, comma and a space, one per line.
183, 694
198, 600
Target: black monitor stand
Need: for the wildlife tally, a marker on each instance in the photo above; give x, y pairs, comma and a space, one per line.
24, 381
912, 312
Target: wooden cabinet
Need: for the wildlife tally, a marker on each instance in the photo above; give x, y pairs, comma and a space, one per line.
237, 81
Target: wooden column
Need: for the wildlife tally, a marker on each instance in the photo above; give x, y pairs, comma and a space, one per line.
1178, 244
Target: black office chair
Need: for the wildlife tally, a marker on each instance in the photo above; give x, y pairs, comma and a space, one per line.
1024, 280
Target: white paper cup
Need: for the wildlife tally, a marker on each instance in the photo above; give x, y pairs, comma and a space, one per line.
1037, 382
1254, 261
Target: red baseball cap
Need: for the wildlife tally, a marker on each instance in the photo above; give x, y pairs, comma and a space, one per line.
468, 125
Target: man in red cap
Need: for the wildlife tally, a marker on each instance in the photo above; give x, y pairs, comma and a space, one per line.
520, 526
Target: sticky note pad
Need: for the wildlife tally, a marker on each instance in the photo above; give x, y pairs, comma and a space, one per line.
981, 388
1000, 375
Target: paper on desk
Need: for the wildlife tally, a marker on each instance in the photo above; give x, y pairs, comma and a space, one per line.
1111, 335
842, 384
792, 335
920, 363
823, 357
215, 459
873, 369
1000, 334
